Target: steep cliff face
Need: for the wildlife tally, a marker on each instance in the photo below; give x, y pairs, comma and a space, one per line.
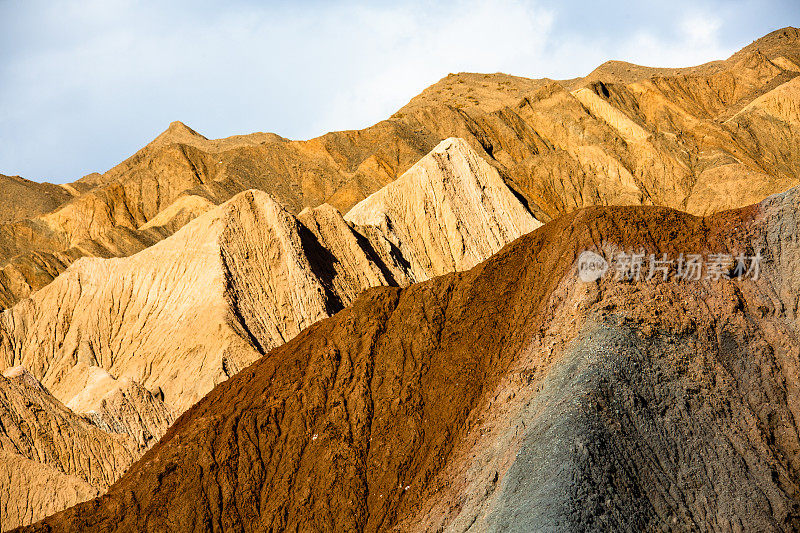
624, 135
510, 397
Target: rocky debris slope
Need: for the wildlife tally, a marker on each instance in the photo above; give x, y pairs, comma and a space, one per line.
512, 397
623, 135
51, 457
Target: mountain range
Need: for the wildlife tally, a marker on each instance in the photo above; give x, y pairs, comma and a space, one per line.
385, 329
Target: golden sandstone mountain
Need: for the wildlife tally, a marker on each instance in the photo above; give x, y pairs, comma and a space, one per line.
683, 138
131, 295
512, 397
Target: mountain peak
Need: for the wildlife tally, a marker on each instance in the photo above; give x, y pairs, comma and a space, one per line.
178, 132
452, 205
779, 43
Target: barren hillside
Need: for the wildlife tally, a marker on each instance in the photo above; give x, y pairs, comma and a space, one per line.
373, 330
682, 138
511, 397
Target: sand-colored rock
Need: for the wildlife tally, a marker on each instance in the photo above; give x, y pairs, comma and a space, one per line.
623, 135
447, 213
51, 457
122, 406
32, 490
513, 397
178, 214
245, 277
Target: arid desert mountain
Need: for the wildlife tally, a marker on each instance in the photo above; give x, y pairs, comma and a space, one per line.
694, 139
243, 278
505, 395
512, 397
51, 458
128, 342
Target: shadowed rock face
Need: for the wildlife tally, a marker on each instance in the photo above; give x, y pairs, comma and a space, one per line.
624, 135
510, 397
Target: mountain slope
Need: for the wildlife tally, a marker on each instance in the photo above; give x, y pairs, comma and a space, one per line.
511, 397
449, 212
658, 136
51, 458
243, 278
126, 343
21, 198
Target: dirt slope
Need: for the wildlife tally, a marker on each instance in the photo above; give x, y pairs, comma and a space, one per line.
21, 198
511, 397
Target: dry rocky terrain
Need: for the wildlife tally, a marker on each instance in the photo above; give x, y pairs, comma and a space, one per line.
701, 139
505, 395
128, 343
512, 397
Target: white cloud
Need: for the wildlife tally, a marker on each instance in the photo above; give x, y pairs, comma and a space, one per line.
696, 42
421, 46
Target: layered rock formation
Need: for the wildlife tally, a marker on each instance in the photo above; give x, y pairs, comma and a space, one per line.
623, 135
511, 397
129, 342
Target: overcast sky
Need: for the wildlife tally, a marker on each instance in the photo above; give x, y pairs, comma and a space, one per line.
83, 85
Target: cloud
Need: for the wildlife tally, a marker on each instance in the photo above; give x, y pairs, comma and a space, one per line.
421, 45
696, 41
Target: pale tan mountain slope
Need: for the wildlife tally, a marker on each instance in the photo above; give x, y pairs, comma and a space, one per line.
663, 137
51, 457
32, 490
655, 140
448, 213
247, 276
239, 280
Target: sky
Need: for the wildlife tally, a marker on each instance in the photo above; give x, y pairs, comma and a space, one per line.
83, 85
